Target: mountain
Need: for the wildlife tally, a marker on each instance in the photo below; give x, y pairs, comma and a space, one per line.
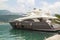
6, 12
6, 16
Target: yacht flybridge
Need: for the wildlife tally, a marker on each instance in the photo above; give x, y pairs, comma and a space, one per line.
36, 20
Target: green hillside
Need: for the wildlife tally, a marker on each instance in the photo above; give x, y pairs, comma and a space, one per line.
7, 18
58, 20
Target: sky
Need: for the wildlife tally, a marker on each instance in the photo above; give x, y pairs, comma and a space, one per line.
53, 6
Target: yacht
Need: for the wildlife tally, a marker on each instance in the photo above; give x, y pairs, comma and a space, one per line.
35, 20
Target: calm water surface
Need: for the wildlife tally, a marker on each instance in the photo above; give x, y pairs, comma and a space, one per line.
7, 33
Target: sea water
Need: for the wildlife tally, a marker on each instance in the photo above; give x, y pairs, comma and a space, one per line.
8, 33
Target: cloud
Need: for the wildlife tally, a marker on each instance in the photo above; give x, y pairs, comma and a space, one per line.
25, 5
16, 9
52, 8
3, 4
24, 2
55, 8
22, 6
3, 1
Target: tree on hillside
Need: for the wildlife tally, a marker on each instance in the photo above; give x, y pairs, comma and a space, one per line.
57, 15
58, 20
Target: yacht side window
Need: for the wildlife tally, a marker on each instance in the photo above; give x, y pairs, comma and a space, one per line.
40, 19
36, 20
28, 20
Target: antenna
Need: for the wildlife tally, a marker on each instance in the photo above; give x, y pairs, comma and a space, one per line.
34, 8
39, 9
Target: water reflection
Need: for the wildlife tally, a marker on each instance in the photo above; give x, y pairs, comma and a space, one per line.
7, 33
30, 35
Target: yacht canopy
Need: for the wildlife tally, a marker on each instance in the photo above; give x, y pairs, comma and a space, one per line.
36, 14
29, 17
32, 17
